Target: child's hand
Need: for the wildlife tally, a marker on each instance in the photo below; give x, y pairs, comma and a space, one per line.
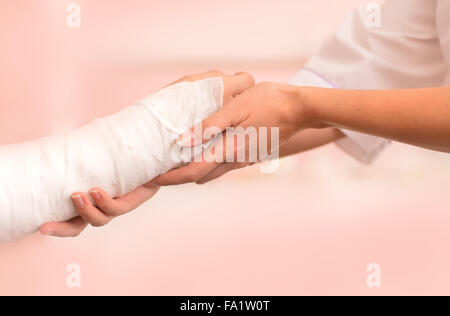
107, 208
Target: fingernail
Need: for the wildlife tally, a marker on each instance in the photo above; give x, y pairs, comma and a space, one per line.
78, 201
186, 139
95, 194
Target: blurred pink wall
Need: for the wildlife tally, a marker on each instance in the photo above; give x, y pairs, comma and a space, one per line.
311, 228
45, 64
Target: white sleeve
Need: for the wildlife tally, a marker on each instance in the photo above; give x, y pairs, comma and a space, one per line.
404, 52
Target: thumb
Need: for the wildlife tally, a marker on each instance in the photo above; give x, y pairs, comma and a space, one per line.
207, 129
237, 83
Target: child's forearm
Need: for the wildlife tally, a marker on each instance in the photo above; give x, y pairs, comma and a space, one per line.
419, 117
309, 139
117, 153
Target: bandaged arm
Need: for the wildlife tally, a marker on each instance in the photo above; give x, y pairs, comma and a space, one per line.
118, 153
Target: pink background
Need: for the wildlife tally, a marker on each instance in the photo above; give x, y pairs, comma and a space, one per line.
311, 228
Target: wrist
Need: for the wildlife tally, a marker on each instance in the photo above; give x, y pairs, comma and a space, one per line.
310, 106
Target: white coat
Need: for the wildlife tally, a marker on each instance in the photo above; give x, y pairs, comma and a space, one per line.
409, 48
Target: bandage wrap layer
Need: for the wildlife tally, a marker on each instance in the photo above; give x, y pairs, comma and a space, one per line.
117, 153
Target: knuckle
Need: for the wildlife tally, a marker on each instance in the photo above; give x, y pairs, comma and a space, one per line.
215, 72
83, 212
113, 212
109, 210
192, 177
248, 77
104, 207
264, 84
266, 87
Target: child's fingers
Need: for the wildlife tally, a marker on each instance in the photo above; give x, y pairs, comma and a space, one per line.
89, 212
124, 204
107, 204
71, 228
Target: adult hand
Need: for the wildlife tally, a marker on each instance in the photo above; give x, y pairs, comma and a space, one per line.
267, 105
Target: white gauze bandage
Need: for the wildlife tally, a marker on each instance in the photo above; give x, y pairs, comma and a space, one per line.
117, 153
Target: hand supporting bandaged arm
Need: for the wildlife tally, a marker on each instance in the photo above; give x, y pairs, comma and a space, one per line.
117, 153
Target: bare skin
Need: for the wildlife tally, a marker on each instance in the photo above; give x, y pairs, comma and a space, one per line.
307, 118
419, 117
107, 208
309, 139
